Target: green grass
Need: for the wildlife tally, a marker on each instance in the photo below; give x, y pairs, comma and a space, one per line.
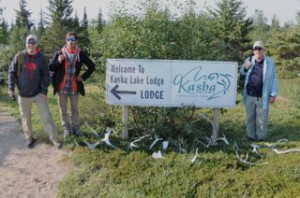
217, 172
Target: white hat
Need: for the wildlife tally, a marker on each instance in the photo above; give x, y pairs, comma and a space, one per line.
31, 38
258, 44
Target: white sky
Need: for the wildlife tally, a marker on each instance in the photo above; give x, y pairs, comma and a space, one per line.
285, 10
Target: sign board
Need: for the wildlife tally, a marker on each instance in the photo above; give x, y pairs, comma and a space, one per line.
171, 83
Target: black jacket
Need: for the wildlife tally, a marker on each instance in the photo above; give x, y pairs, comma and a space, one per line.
58, 70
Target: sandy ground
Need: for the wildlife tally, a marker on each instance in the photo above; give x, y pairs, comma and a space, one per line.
29, 173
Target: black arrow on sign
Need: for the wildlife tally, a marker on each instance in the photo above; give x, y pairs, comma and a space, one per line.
116, 93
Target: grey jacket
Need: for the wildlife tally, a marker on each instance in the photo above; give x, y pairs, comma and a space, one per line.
33, 76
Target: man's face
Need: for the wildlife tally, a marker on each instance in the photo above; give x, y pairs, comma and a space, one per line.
71, 41
31, 46
258, 53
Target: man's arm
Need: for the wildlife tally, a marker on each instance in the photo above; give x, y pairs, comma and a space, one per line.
45, 74
274, 88
246, 66
12, 76
54, 62
90, 65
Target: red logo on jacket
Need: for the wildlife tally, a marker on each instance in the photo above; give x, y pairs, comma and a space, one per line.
29, 68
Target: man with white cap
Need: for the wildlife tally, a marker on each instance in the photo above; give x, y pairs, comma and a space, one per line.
260, 89
29, 71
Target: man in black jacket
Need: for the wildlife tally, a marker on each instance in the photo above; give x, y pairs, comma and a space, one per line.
67, 81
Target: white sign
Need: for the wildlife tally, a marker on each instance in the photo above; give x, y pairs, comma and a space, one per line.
171, 83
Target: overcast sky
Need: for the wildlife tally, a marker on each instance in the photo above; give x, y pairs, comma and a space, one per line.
285, 10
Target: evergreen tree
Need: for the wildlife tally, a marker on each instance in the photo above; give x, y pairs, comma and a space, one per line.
284, 47
75, 23
100, 22
41, 25
84, 33
21, 28
6, 54
61, 22
231, 30
275, 24
4, 33
60, 11
260, 26
274, 28
23, 15
3, 28
85, 22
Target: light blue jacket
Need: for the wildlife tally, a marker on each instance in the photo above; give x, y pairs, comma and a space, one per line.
270, 82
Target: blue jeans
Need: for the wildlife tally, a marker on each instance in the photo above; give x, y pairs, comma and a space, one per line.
257, 118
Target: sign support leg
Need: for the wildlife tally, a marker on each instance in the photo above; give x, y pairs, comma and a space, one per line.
125, 122
216, 123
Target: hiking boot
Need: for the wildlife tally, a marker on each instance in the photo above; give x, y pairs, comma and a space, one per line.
77, 131
31, 143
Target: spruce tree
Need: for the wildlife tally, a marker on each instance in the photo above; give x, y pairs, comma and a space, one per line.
260, 26
60, 22
84, 33
4, 33
231, 29
23, 15
15, 37
3, 29
21, 28
41, 25
100, 22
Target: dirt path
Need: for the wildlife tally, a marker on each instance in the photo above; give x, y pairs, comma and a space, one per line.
30, 173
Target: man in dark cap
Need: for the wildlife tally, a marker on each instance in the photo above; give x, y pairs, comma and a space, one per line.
29, 71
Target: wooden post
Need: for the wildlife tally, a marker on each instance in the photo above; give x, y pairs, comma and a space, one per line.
125, 122
216, 123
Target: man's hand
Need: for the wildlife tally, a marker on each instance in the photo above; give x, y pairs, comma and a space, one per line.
61, 58
79, 78
12, 94
272, 99
248, 65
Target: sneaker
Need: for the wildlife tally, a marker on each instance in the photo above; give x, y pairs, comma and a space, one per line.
66, 133
31, 143
77, 131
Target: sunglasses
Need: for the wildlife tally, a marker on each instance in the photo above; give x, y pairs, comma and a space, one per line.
258, 48
71, 39
31, 41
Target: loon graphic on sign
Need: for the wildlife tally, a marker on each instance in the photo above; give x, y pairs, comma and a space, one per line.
195, 82
171, 83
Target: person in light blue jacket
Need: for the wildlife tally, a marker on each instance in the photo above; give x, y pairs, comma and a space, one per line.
260, 89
